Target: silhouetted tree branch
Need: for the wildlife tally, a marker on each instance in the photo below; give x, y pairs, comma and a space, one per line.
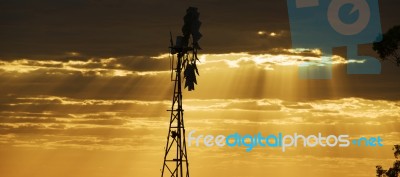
394, 170
388, 48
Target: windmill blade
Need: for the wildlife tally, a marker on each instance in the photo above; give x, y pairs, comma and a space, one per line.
191, 27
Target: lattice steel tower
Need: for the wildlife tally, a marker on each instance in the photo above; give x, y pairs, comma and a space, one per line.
176, 159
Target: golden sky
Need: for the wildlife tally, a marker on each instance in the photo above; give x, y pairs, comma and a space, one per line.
96, 118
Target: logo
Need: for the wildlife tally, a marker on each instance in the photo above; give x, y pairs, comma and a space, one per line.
280, 140
325, 24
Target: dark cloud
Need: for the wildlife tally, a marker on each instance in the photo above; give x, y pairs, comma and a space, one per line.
144, 64
107, 28
77, 85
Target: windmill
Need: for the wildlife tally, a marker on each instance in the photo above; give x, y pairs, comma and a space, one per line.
185, 48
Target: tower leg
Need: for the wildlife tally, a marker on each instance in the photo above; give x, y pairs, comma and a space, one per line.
175, 160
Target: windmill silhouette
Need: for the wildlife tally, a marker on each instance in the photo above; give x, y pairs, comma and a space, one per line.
176, 159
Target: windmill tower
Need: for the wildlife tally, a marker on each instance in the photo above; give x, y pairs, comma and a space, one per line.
176, 162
